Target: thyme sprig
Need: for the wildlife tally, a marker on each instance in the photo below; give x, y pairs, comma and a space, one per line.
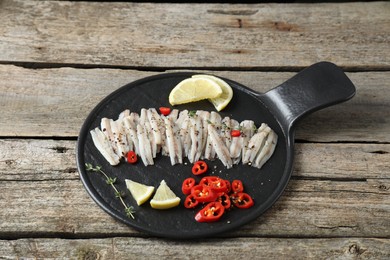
192, 113
129, 210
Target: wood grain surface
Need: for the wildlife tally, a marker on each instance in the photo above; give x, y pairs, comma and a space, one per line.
118, 248
325, 185
62, 98
58, 59
195, 35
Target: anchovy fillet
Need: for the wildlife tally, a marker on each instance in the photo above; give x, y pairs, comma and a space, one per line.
220, 147
145, 147
187, 134
102, 143
173, 143
256, 143
267, 151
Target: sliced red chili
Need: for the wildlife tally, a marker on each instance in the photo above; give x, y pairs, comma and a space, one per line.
215, 183
131, 157
165, 110
199, 167
187, 185
235, 133
190, 202
212, 212
224, 199
229, 186
203, 193
242, 200
237, 186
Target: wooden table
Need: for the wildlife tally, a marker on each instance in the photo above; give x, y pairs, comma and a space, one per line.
58, 59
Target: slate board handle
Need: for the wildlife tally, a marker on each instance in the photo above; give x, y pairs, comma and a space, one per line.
318, 86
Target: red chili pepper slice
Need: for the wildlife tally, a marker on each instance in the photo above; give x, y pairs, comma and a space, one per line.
190, 202
203, 193
187, 185
224, 199
237, 186
235, 133
242, 200
212, 212
229, 186
215, 183
131, 157
165, 110
199, 167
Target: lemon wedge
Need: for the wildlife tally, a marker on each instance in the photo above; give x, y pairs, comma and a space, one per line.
222, 100
164, 198
140, 192
194, 89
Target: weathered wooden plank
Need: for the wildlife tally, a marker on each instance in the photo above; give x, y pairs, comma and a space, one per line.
42, 196
368, 106
43, 102
349, 161
37, 160
52, 160
308, 208
254, 248
195, 35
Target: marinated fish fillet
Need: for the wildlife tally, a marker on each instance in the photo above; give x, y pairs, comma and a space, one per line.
155, 122
215, 119
145, 150
256, 143
220, 147
236, 144
104, 146
247, 131
187, 134
267, 151
173, 143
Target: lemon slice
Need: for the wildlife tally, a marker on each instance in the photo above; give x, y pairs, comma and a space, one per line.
164, 197
194, 89
223, 100
140, 192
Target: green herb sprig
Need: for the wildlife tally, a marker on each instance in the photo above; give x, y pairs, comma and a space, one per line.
129, 210
192, 113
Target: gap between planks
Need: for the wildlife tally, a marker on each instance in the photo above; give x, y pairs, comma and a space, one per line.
44, 65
